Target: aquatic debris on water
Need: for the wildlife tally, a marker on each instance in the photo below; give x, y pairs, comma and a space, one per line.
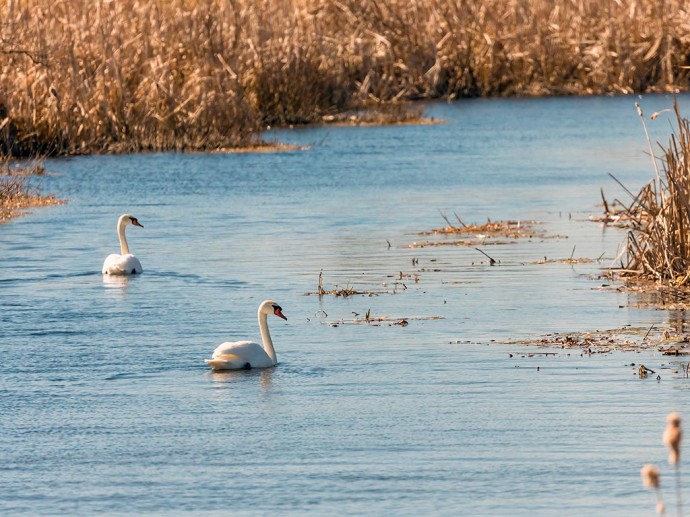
398, 285
381, 321
667, 340
505, 229
493, 233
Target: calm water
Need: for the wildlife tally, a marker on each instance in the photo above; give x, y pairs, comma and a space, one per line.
108, 408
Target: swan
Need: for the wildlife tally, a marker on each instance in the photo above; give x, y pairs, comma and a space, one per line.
126, 263
244, 355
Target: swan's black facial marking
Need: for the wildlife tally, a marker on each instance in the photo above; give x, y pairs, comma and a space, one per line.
135, 222
279, 312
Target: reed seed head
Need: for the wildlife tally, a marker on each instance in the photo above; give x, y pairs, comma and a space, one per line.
650, 476
672, 437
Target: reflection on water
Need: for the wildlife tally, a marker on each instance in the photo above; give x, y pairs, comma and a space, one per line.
225, 379
116, 281
429, 418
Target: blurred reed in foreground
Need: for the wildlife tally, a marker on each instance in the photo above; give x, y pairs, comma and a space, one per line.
80, 76
672, 438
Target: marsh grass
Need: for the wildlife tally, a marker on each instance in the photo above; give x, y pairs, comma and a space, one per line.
17, 194
79, 76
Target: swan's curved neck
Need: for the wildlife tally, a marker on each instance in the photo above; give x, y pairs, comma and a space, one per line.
266, 338
124, 249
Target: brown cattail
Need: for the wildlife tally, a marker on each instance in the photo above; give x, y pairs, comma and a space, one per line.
672, 438
650, 476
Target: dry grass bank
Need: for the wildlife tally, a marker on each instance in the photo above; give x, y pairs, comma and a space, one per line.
82, 76
16, 191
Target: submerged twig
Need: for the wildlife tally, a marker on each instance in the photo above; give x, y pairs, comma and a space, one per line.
492, 261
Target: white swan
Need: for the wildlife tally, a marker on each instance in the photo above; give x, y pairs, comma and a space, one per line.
125, 263
243, 355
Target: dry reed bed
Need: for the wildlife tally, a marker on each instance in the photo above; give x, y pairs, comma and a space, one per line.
658, 246
78, 76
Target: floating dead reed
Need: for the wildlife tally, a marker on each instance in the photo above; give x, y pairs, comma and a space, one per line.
336, 291
490, 233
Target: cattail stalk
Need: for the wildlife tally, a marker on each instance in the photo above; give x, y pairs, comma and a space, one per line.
651, 479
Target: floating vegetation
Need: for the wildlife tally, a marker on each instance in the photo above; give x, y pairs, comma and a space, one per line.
381, 321
570, 260
668, 341
462, 242
336, 291
648, 293
491, 233
502, 229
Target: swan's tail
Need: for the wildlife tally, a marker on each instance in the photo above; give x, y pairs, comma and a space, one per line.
228, 362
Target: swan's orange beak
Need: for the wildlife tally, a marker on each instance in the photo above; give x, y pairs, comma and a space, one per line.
136, 223
279, 312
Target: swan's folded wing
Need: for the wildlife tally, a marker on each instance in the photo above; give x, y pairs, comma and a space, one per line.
226, 362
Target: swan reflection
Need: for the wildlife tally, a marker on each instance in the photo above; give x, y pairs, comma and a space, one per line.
224, 379
115, 281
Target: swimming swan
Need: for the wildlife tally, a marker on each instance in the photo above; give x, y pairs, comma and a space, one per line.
243, 355
126, 263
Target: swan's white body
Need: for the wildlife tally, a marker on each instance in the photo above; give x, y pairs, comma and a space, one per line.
124, 263
243, 355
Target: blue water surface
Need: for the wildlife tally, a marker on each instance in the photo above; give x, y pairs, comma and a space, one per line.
108, 408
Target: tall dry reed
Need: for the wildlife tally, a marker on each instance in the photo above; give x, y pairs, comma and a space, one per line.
81, 76
659, 242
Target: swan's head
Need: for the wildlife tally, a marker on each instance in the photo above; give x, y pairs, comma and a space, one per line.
271, 307
129, 219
